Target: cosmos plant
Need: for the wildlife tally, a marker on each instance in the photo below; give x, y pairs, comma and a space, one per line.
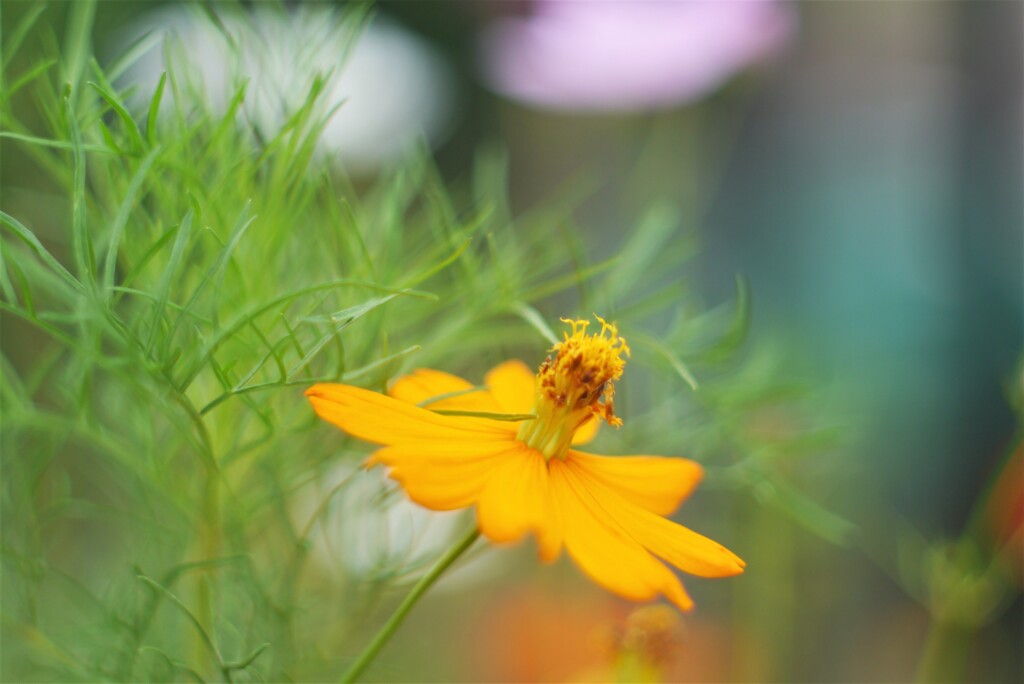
506, 448
172, 283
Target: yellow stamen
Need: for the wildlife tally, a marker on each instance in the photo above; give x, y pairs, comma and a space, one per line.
575, 386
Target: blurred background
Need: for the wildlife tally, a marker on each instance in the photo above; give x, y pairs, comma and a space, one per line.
858, 164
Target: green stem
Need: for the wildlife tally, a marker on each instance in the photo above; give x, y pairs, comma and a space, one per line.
211, 549
945, 653
389, 628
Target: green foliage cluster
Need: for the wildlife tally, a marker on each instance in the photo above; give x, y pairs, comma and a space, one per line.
170, 289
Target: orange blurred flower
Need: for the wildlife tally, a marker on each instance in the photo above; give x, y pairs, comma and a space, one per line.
523, 475
548, 634
537, 634
1005, 512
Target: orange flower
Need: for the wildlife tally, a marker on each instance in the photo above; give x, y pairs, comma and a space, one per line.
525, 477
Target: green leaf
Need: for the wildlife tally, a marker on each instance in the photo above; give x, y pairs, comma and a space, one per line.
805, 512
184, 232
511, 417
439, 266
650, 239
78, 40
645, 341
176, 664
85, 256
28, 77
17, 36
244, 319
121, 219
558, 284
154, 110
147, 42
535, 319
243, 222
180, 605
729, 343
247, 660
380, 363
130, 127
46, 142
30, 239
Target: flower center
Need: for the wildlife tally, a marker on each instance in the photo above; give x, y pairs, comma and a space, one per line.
575, 386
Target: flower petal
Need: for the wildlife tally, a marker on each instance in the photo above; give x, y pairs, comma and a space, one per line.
587, 432
516, 501
512, 385
656, 483
690, 552
384, 420
444, 475
424, 384
606, 551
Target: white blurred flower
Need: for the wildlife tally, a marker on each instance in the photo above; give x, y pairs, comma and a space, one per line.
393, 89
365, 526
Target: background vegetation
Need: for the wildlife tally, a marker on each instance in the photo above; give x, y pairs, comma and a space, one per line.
172, 279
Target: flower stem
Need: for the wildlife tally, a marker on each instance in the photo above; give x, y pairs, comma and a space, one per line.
389, 628
945, 653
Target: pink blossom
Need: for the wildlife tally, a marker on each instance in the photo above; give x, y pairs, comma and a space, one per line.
629, 54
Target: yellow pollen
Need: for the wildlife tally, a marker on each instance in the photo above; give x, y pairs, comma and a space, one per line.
575, 385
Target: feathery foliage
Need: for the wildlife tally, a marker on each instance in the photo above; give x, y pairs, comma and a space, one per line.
170, 283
